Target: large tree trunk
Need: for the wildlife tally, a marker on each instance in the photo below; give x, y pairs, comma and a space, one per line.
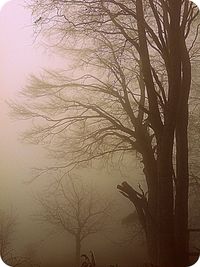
78, 250
167, 246
166, 250
152, 240
182, 184
160, 186
166, 240
151, 209
150, 168
146, 216
182, 172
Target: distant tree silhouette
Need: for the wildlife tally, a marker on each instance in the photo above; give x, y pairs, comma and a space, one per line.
7, 252
76, 208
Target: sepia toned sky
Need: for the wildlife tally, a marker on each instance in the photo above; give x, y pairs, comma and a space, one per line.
20, 55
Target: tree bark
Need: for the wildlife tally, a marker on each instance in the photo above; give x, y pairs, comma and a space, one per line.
166, 250
166, 240
145, 217
78, 250
182, 169
181, 202
150, 166
152, 240
166, 246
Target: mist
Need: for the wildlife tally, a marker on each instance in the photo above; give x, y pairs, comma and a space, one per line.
33, 199
21, 56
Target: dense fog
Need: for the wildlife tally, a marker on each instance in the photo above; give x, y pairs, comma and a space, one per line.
41, 210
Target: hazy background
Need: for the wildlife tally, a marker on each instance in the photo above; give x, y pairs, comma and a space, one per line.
20, 56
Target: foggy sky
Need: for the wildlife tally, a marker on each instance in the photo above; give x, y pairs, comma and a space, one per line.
20, 56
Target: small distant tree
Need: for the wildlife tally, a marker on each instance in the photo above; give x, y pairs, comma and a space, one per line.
7, 252
7, 225
76, 208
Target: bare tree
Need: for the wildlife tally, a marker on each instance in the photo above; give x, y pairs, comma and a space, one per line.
7, 252
76, 208
7, 225
135, 97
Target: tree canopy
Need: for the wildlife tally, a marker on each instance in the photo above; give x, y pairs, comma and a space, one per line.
129, 92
